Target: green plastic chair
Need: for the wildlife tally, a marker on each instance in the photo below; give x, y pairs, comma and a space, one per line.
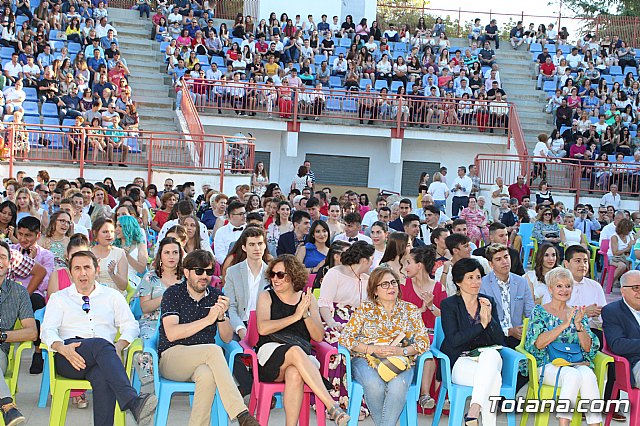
61, 387
546, 392
13, 366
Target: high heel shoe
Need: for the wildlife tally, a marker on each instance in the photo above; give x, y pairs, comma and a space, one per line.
470, 421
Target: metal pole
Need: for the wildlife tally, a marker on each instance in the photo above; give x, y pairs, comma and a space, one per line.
459, 18
12, 143
224, 150
150, 158
81, 152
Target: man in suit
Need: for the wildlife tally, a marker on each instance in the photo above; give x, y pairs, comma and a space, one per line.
404, 209
289, 242
498, 235
510, 291
621, 324
411, 224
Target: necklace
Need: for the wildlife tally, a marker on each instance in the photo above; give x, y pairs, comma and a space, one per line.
355, 273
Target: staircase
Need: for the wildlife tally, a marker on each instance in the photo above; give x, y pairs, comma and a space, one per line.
150, 84
516, 72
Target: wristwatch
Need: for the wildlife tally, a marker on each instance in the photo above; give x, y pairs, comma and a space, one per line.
405, 351
3, 336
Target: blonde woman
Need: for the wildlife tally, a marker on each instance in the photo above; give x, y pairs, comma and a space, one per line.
28, 207
439, 191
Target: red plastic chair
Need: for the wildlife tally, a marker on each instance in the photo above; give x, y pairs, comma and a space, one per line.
608, 271
623, 383
263, 392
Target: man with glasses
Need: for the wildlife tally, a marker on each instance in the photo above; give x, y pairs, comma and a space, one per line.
80, 325
43, 191
168, 186
14, 305
193, 313
229, 233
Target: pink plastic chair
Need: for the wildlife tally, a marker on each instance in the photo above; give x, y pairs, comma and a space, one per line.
608, 271
623, 383
310, 280
263, 392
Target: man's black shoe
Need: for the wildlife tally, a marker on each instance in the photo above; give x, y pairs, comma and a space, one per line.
143, 408
37, 363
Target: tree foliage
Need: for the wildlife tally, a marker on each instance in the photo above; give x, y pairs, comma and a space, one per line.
589, 8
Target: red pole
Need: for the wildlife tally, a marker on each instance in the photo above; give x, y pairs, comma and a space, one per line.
150, 158
12, 142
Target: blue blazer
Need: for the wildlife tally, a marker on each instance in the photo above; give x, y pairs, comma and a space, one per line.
521, 301
622, 332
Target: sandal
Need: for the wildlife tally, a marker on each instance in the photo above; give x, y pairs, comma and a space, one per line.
426, 402
339, 416
82, 401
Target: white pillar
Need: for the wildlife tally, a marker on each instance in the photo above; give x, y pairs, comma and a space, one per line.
290, 141
395, 150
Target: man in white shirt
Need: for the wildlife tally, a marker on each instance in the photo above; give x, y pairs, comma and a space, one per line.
245, 280
14, 96
353, 224
184, 208
372, 215
229, 233
13, 69
102, 29
611, 198
610, 229
214, 73
498, 191
31, 72
458, 246
80, 217
574, 60
461, 188
334, 27
340, 65
80, 325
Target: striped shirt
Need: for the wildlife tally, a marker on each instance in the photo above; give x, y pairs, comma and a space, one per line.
14, 304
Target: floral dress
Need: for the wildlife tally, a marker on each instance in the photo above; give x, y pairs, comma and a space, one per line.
476, 224
542, 321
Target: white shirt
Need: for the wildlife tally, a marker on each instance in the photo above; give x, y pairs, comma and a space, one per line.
636, 314
438, 190
465, 182
607, 232
79, 229
84, 221
585, 293
449, 286
369, 217
254, 289
360, 237
13, 70
31, 69
540, 150
225, 236
204, 234
108, 314
609, 199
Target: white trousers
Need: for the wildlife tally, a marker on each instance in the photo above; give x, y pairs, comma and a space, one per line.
571, 381
484, 375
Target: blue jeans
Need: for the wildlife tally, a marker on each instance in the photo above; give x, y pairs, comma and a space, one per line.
385, 399
440, 204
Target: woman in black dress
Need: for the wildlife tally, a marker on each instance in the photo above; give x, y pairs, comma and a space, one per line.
288, 319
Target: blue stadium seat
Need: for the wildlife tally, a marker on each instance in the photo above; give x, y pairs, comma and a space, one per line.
345, 42
349, 105
217, 60
58, 45
608, 79
32, 94
31, 108
380, 84
237, 40
566, 49
549, 87
296, 67
395, 85
340, 50
204, 60
6, 52
69, 122
21, 19
30, 119
409, 86
619, 79
594, 120
74, 47
50, 110
319, 58
400, 47
364, 82
55, 137
633, 133
615, 70
333, 104
536, 47
334, 81
134, 147
33, 123
563, 128
163, 46
631, 70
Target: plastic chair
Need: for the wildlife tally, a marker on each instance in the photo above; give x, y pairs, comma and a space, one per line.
623, 383
30, 108
136, 309
13, 365
32, 94
61, 387
458, 394
310, 280
263, 392
525, 231
50, 110
380, 84
546, 391
165, 388
409, 416
608, 271
615, 70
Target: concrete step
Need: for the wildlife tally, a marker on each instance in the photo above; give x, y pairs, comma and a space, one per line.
145, 111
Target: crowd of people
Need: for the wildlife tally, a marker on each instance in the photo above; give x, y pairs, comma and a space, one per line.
65, 62
383, 272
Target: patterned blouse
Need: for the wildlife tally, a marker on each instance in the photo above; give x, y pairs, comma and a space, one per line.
542, 231
542, 321
371, 324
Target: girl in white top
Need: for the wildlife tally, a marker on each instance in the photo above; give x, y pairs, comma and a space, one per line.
546, 259
620, 247
279, 226
439, 191
114, 268
335, 225
129, 237
379, 232
571, 236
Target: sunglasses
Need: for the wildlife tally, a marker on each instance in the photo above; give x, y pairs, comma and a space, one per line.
279, 274
85, 305
200, 271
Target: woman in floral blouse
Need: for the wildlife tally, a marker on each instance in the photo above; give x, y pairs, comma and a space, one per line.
557, 322
545, 230
370, 330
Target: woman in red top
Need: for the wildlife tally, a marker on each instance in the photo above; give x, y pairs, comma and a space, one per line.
168, 200
426, 293
234, 53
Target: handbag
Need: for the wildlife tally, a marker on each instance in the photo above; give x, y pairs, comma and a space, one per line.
292, 339
567, 352
389, 367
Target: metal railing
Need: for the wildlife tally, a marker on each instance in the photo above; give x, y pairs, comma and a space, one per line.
580, 177
86, 147
223, 9
339, 106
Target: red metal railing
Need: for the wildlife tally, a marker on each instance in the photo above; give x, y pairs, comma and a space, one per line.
223, 9
88, 147
578, 177
339, 106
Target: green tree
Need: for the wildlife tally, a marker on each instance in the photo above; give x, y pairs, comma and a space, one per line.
588, 8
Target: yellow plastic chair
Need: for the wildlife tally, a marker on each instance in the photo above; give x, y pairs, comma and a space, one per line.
13, 366
61, 387
131, 291
546, 392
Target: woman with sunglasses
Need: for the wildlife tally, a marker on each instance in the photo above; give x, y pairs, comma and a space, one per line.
56, 237
546, 230
114, 267
373, 330
167, 271
285, 313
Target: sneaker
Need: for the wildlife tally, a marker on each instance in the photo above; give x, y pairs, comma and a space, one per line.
143, 408
37, 363
11, 415
246, 419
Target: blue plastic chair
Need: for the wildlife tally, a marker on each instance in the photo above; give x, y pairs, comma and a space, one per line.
458, 394
165, 388
50, 110
217, 60
615, 70
30, 108
409, 416
45, 383
32, 94
525, 232
136, 309
335, 82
